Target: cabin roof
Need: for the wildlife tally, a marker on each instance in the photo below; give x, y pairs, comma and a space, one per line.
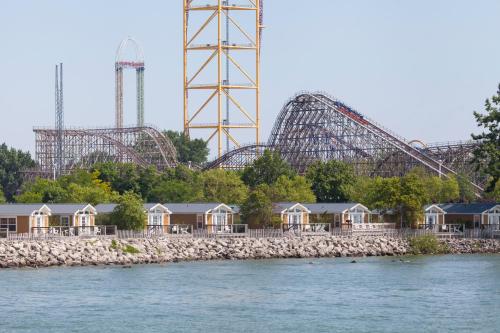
20, 209
58, 209
333, 207
196, 207
471, 208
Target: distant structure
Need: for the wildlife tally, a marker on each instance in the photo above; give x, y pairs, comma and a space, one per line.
206, 74
317, 127
59, 120
138, 65
83, 147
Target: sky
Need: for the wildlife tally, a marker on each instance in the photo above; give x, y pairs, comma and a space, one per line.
418, 67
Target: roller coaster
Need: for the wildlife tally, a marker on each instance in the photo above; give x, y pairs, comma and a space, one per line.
144, 146
314, 126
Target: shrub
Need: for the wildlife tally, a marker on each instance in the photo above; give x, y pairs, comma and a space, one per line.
130, 249
114, 245
427, 244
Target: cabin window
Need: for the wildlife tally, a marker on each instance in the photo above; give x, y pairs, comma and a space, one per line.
65, 221
295, 218
220, 218
8, 223
199, 221
494, 216
156, 219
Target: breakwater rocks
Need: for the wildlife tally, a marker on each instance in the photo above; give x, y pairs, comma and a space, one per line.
81, 252
476, 246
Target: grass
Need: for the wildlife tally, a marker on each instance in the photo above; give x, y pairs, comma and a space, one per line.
427, 244
130, 249
114, 245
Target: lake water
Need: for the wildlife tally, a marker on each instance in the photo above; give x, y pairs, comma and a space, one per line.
420, 294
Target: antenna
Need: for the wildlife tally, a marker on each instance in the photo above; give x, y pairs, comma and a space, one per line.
59, 120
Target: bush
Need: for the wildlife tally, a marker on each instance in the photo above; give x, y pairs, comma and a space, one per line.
427, 244
130, 249
129, 213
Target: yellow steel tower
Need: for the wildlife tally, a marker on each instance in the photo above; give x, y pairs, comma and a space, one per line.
207, 55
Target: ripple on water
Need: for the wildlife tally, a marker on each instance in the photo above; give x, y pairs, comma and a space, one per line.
418, 294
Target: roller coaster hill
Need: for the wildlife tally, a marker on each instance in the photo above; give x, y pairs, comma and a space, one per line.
314, 126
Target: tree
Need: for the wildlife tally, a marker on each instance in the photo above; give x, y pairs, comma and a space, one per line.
223, 186
332, 181
129, 214
466, 192
294, 189
378, 193
2, 197
122, 177
42, 190
266, 170
12, 163
195, 151
257, 210
80, 186
412, 197
180, 184
487, 154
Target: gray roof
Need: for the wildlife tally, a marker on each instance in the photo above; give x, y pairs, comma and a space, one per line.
105, 208
278, 207
60, 209
316, 208
472, 208
19, 209
330, 208
108, 208
194, 208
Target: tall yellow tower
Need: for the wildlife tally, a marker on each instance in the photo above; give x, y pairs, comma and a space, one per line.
209, 95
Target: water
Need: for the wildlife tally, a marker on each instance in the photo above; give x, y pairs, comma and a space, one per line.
424, 294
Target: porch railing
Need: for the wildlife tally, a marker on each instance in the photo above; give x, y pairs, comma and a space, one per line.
68, 231
171, 229
226, 229
443, 228
308, 228
372, 226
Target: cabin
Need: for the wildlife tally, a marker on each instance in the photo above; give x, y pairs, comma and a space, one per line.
291, 213
24, 218
339, 214
157, 215
472, 215
72, 215
202, 215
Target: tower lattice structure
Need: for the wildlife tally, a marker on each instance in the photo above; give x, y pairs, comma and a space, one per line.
208, 92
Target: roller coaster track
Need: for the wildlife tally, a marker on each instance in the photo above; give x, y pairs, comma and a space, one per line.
315, 126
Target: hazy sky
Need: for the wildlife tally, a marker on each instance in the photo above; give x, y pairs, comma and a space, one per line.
418, 67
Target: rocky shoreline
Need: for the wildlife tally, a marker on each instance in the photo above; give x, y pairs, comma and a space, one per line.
83, 252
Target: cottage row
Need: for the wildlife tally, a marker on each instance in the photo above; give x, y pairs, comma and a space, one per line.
28, 218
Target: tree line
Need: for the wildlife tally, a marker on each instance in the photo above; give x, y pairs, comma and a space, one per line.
269, 179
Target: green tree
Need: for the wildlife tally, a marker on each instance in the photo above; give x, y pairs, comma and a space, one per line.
180, 184
195, 151
257, 209
80, 186
487, 154
294, 189
2, 197
332, 181
450, 191
129, 214
123, 177
266, 170
12, 163
42, 190
223, 186
466, 192
412, 198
